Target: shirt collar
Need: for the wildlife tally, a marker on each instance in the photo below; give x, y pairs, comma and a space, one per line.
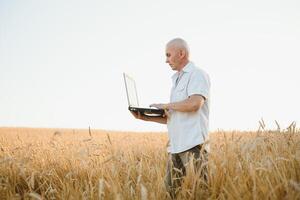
187, 68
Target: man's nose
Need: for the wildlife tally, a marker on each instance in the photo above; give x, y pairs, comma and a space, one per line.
167, 60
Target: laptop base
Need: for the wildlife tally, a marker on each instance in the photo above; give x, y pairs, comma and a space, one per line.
149, 112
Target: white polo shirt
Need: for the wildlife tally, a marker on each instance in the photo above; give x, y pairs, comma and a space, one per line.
188, 129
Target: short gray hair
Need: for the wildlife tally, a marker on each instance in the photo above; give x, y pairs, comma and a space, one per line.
180, 44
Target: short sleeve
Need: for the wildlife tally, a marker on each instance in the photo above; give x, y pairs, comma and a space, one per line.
199, 84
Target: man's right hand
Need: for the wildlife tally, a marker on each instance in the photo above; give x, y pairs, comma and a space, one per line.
138, 115
161, 120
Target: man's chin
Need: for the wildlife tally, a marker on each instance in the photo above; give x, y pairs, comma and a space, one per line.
172, 67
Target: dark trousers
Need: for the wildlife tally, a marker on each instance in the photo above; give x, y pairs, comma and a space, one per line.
177, 167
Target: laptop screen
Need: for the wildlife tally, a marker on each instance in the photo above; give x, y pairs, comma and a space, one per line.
131, 91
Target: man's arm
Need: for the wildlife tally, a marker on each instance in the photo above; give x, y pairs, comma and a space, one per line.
191, 104
161, 120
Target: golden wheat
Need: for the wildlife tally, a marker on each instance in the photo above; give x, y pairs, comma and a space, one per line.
98, 164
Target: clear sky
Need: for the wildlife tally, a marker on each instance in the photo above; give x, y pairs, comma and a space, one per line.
61, 62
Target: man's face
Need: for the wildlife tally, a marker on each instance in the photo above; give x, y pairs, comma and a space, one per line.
173, 57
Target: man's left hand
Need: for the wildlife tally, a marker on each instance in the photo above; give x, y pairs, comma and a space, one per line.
163, 106
160, 106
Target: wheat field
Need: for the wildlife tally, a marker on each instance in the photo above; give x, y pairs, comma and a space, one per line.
99, 164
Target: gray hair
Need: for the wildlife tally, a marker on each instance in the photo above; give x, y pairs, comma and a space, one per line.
180, 44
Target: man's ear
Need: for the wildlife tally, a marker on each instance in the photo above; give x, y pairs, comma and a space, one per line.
182, 53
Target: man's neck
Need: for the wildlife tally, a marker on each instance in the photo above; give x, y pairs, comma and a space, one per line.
184, 63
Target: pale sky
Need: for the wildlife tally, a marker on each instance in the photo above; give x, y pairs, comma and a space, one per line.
61, 62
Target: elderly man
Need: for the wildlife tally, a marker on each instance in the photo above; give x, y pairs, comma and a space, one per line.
187, 114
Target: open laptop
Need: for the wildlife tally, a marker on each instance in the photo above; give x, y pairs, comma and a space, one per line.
133, 102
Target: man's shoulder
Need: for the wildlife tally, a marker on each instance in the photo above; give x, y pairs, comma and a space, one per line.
195, 67
199, 71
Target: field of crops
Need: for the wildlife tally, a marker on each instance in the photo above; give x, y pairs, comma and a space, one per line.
78, 164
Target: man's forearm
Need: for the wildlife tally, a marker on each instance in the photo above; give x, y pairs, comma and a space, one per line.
182, 106
188, 105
